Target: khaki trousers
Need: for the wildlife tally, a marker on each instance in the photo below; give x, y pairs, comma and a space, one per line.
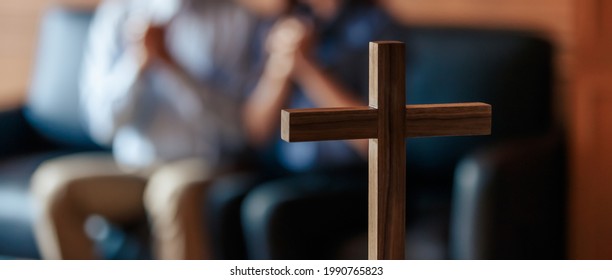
67, 190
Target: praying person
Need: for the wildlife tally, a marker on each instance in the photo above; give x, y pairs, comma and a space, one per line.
314, 55
162, 85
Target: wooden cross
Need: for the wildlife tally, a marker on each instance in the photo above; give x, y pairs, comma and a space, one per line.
386, 122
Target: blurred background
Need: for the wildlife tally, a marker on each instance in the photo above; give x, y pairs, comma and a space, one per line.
554, 18
557, 204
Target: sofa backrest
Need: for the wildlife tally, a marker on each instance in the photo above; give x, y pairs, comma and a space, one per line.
53, 100
511, 70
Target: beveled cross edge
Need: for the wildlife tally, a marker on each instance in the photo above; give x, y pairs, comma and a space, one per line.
386, 122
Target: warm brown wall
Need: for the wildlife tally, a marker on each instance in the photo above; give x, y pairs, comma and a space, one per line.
590, 194
18, 27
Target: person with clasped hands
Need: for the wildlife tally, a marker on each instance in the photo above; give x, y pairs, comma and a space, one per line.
162, 84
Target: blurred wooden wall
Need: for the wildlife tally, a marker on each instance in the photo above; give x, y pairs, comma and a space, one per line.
590, 208
18, 28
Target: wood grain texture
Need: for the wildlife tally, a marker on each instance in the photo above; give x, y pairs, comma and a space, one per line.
460, 119
328, 124
387, 160
453, 119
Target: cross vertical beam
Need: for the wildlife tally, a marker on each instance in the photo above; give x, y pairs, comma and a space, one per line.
387, 161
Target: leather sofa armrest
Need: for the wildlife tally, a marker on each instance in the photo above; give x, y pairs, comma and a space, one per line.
509, 201
16, 134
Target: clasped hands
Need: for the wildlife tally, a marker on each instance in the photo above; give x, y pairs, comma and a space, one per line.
148, 44
289, 46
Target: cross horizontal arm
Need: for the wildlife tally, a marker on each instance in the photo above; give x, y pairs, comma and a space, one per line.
456, 119
300, 125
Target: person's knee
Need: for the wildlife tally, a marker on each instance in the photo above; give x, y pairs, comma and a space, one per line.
53, 178
50, 184
85, 184
172, 185
50, 192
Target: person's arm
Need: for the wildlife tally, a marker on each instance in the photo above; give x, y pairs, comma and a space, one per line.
289, 47
111, 74
261, 113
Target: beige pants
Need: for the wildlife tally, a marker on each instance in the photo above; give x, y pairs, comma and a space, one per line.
69, 189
